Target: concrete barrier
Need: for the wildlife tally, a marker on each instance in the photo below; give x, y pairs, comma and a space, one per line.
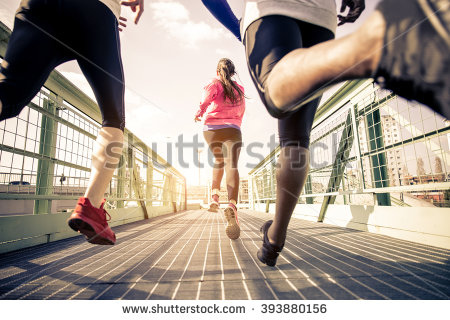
429, 226
23, 231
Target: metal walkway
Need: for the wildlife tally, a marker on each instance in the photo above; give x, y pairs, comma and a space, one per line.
188, 256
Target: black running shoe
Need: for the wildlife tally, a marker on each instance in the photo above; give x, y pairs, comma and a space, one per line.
268, 253
415, 61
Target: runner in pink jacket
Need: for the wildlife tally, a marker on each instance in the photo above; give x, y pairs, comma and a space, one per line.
223, 111
222, 132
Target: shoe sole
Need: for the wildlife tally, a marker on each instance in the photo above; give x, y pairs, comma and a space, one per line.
269, 262
86, 229
233, 230
213, 208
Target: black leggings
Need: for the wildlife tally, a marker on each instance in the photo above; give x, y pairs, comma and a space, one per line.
49, 32
225, 144
267, 41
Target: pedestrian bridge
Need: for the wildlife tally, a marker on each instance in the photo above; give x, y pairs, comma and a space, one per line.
372, 223
188, 256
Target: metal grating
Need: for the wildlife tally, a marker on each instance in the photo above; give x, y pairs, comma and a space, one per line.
188, 256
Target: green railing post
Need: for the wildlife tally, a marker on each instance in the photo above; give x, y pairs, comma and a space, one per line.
378, 161
45, 172
121, 176
340, 161
166, 188
149, 185
173, 186
308, 190
273, 178
138, 185
130, 167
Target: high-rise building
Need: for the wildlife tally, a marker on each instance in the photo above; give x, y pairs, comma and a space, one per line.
394, 158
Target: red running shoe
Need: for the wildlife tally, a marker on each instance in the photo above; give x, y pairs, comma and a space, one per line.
92, 222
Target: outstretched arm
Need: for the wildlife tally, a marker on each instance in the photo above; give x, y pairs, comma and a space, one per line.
209, 94
221, 10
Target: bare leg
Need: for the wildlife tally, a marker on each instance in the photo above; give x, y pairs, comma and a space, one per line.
217, 173
292, 171
232, 182
305, 70
105, 158
0, 107
231, 167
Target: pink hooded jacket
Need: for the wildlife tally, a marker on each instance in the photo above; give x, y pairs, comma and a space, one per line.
222, 111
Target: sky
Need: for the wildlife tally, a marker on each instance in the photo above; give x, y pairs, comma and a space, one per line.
168, 58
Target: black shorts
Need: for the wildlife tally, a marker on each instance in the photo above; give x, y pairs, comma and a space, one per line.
267, 41
50, 32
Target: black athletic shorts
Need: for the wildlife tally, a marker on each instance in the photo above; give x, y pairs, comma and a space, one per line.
267, 41
49, 32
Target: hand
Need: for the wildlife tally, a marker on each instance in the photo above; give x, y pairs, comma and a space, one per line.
122, 24
356, 8
197, 119
139, 4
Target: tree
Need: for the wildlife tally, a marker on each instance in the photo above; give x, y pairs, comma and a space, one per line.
437, 165
438, 169
420, 169
405, 175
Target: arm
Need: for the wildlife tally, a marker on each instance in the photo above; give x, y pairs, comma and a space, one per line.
135, 5
356, 8
223, 13
209, 96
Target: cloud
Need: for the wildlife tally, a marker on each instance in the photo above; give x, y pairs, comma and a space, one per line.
174, 18
223, 53
143, 118
135, 104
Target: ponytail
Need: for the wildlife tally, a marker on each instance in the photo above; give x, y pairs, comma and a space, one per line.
226, 70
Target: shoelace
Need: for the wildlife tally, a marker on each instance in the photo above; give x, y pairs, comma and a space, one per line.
107, 216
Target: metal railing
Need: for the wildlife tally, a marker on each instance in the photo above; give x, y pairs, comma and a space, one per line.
45, 154
369, 147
